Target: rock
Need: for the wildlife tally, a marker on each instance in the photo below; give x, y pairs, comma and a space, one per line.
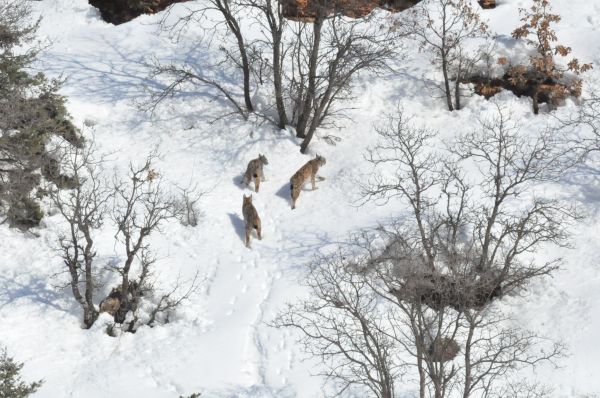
306, 10
487, 3
120, 11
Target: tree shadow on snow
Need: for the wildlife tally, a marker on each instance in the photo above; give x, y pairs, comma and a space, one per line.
123, 74
35, 288
238, 225
255, 391
584, 181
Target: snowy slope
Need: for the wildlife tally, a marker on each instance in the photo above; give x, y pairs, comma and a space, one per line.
219, 344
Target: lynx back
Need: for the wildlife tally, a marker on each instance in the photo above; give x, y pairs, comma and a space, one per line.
254, 171
306, 172
251, 219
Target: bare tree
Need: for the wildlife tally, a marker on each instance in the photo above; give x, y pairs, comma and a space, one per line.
510, 165
342, 324
312, 64
431, 277
443, 27
581, 129
84, 209
494, 352
203, 73
140, 208
373, 304
522, 389
470, 239
271, 19
328, 54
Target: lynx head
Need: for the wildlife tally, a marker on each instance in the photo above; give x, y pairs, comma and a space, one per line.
321, 160
263, 159
247, 200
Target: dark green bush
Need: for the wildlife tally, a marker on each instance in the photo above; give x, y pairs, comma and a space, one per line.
31, 114
11, 385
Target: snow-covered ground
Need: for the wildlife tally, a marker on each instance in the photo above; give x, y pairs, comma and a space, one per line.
219, 344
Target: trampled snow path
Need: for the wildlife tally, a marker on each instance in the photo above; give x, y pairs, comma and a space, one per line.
219, 343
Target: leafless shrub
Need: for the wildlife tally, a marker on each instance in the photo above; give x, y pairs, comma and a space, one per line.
312, 63
84, 208
444, 27
138, 206
237, 53
327, 55
186, 206
342, 324
521, 389
581, 129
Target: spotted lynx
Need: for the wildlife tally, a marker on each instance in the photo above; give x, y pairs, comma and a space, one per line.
255, 171
251, 219
309, 170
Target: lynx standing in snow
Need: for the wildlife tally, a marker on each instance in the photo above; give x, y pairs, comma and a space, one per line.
251, 219
308, 170
255, 170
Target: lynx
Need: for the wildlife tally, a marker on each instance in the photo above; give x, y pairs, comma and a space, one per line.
309, 170
112, 302
255, 171
251, 219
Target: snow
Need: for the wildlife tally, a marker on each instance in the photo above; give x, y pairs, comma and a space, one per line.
219, 343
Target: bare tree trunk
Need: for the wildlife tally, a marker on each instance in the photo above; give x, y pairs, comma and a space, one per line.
125, 299
277, 82
420, 365
468, 365
447, 90
89, 311
83, 208
276, 24
535, 98
223, 6
312, 77
457, 90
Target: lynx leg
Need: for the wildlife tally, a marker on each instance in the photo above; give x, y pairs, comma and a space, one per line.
312, 180
246, 180
248, 233
256, 182
259, 231
295, 194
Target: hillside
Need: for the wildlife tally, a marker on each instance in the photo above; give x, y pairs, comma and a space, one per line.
219, 343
